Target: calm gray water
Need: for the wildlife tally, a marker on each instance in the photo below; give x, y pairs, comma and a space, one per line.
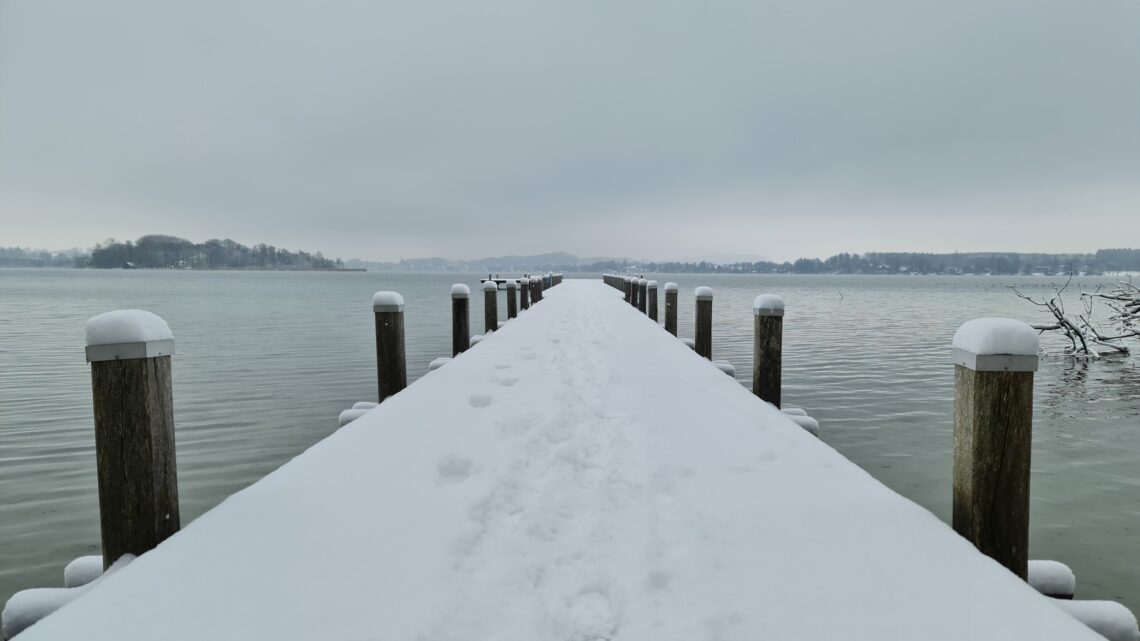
266, 361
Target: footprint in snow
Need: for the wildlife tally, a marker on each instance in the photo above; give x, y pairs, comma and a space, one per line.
503, 366
591, 615
453, 470
480, 400
505, 381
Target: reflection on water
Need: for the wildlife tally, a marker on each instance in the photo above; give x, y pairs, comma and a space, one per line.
267, 360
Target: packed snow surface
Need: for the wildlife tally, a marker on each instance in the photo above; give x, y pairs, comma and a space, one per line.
581, 474
387, 298
459, 290
127, 326
996, 336
703, 293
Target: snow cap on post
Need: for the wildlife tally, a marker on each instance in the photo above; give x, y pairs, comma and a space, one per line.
127, 333
512, 284
651, 284
670, 287
704, 293
996, 345
459, 290
642, 281
768, 305
387, 302
490, 286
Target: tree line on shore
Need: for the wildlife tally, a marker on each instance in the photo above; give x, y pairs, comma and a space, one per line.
157, 251
1103, 260
170, 252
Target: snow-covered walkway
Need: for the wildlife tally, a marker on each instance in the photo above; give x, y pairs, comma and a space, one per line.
578, 475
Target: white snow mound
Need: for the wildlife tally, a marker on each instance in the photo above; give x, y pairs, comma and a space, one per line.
387, 298
127, 326
984, 336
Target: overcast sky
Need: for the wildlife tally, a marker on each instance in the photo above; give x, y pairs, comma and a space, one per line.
645, 128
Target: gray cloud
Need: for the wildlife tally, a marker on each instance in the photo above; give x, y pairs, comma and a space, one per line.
377, 129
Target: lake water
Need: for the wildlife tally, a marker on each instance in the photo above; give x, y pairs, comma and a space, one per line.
266, 360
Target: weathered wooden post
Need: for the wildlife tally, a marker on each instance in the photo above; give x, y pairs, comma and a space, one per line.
703, 333
651, 288
642, 294
538, 288
767, 347
460, 318
671, 308
625, 289
391, 364
512, 299
524, 293
634, 291
490, 306
994, 361
129, 351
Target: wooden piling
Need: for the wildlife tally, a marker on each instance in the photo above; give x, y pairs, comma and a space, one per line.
767, 347
490, 306
703, 333
391, 363
524, 293
642, 294
134, 432
671, 308
512, 299
993, 427
460, 318
651, 307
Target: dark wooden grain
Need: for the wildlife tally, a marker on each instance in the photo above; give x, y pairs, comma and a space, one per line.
512, 302
767, 357
993, 433
135, 454
391, 362
490, 310
671, 312
652, 307
460, 325
524, 294
642, 295
703, 334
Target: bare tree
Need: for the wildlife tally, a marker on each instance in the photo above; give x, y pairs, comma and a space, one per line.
1089, 336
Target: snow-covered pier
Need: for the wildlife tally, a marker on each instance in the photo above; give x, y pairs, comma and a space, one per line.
579, 474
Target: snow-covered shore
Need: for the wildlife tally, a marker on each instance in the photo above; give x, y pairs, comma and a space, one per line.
579, 474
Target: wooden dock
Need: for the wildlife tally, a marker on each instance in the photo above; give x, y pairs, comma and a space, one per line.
579, 473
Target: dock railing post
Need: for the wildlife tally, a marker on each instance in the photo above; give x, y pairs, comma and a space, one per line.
524, 293
460, 318
634, 291
391, 363
535, 289
767, 347
627, 289
703, 334
651, 288
671, 308
994, 362
512, 299
490, 306
129, 352
642, 294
